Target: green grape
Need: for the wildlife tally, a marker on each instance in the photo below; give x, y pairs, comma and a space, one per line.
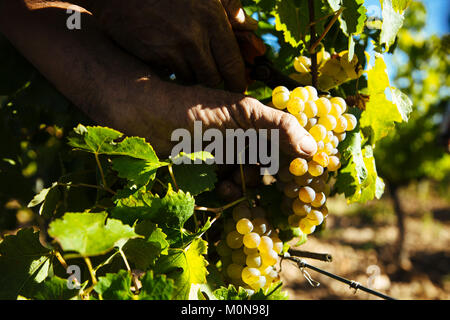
234, 240
300, 208
315, 169
280, 97
301, 93
261, 226
310, 109
241, 211
321, 158
323, 107
258, 212
318, 132
234, 271
312, 93
266, 244
223, 250
295, 105
303, 180
291, 190
334, 163
269, 257
298, 167
253, 260
249, 251
251, 240
341, 125
315, 217
238, 256
307, 194
328, 121
244, 226
294, 220
229, 225
351, 121
319, 200
306, 226
250, 275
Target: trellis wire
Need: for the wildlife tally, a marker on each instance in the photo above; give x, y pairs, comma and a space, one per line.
353, 284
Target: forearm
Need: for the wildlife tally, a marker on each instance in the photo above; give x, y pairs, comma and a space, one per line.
83, 64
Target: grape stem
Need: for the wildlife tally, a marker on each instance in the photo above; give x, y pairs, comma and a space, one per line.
220, 209
312, 41
327, 28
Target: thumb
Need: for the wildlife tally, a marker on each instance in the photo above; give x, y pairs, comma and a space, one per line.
238, 18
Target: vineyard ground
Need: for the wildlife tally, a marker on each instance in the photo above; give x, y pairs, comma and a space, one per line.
362, 236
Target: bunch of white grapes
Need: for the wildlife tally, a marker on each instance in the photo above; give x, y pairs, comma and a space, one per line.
305, 180
250, 248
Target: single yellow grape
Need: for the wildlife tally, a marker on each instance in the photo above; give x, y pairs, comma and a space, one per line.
303, 180
302, 118
298, 167
295, 105
265, 244
320, 146
277, 245
249, 251
234, 271
311, 123
324, 211
223, 250
244, 226
318, 132
328, 121
261, 225
310, 109
341, 102
312, 93
323, 106
258, 284
301, 93
234, 240
321, 158
302, 64
319, 200
341, 125
300, 208
251, 240
250, 275
306, 194
341, 136
280, 97
351, 121
335, 110
334, 163
314, 168
315, 217
254, 260
306, 226
269, 257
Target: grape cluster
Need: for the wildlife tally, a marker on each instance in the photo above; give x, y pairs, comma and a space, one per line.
305, 181
249, 249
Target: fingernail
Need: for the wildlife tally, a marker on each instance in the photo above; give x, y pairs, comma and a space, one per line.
308, 145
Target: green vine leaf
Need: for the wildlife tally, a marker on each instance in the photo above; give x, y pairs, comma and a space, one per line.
156, 287
392, 22
24, 263
90, 234
115, 286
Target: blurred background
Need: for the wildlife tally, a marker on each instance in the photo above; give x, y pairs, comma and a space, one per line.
399, 245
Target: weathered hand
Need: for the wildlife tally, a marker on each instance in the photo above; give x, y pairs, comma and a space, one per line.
193, 39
